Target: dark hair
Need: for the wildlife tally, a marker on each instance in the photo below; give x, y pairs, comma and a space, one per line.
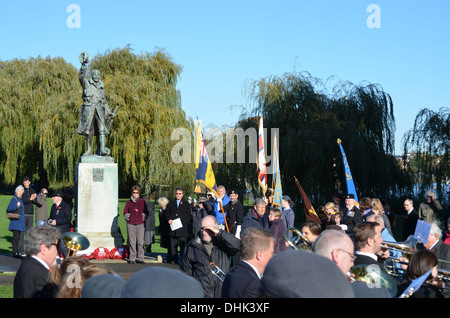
364, 204
421, 262
364, 231
136, 188
315, 227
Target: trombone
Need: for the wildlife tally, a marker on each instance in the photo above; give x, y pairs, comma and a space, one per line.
298, 240
217, 271
392, 266
406, 247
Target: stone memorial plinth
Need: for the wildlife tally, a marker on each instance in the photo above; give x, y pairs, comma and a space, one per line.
97, 202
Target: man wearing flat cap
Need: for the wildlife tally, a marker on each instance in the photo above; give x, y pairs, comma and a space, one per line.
352, 214
234, 211
60, 213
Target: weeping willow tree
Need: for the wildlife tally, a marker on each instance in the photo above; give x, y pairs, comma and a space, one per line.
149, 109
311, 116
40, 101
39, 104
429, 142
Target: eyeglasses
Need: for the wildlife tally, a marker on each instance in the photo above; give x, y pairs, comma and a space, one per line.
178, 193
135, 192
352, 256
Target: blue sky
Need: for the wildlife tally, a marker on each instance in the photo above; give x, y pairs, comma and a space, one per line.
223, 44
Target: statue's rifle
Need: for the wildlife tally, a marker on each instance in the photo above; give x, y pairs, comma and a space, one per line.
112, 117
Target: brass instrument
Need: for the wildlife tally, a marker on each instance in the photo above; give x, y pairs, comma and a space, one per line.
406, 247
391, 267
217, 271
298, 240
74, 242
374, 277
444, 276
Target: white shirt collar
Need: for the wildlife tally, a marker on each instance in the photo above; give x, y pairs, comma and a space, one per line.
254, 268
41, 261
367, 254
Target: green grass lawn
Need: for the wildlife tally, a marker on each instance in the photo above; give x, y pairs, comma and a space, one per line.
6, 235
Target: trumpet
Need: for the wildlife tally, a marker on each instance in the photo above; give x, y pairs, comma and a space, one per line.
217, 271
74, 242
298, 240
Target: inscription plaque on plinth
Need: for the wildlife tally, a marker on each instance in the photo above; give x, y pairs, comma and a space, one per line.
97, 202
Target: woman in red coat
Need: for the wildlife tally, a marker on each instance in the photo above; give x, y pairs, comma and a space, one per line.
134, 212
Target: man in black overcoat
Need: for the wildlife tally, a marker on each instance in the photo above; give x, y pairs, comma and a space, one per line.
352, 215
60, 213
234, 211
177, 208
409, 225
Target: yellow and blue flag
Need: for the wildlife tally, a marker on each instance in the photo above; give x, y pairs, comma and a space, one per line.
205, 174
278, 192
348, 175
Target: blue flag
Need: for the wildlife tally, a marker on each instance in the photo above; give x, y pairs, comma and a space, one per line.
415, 285
348, 175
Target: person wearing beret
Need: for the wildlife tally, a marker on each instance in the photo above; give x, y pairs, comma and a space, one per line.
234, 211
351, 216
60, 213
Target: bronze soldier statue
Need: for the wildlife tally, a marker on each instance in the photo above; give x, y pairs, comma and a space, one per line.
96, 116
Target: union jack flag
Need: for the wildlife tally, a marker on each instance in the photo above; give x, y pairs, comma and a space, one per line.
262, 173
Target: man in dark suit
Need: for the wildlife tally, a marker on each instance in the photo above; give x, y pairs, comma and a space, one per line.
243, 280
60, 213
367, 238
438, 247
34, 272
234, 211
409, 225
178, 211
351, 216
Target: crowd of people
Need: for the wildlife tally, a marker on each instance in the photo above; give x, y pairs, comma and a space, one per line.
224, 251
